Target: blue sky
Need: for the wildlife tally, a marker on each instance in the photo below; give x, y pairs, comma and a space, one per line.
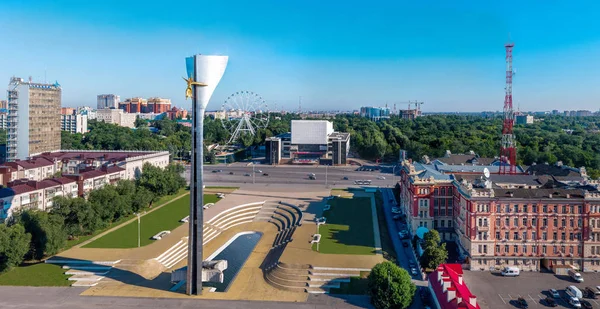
335, 54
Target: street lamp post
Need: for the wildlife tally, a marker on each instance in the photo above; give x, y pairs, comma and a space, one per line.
253, 173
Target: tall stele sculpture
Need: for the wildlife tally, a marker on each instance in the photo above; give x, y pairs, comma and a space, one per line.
203, 75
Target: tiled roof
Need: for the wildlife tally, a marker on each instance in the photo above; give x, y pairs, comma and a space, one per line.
92, 155
31, 163
471, 168
451, 275
100, 172
539, 193
554, 170
526, 180
428, 170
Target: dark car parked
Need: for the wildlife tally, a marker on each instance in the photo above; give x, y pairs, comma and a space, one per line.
522, 303
550, 302
586, 304
588, 292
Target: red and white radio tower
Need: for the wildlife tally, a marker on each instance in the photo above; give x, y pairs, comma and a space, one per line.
508, 150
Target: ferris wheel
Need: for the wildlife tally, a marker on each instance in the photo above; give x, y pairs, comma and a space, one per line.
244, 112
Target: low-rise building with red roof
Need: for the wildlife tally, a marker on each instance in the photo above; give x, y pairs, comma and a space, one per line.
449, 289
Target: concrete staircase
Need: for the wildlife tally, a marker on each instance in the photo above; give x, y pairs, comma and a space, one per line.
309, 279
84, 273
212, 228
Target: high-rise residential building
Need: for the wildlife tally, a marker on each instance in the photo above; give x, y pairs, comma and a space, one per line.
74, 123
108, 101
375, 113
134, 105
158, 105
67, 111
3, 104
33, 118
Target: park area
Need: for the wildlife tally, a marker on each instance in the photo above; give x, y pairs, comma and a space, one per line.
165, 218
349, 227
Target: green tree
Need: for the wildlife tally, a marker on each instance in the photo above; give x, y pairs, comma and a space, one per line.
14, 244
434, 254
140, 123
390, 286
47, 233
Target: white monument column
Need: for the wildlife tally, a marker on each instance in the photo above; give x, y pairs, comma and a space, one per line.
203, 75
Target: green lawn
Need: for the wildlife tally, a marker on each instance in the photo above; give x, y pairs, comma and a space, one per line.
349, 228
164, 218
80, 239
35, 275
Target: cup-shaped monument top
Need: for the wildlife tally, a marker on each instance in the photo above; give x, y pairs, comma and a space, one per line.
206, 71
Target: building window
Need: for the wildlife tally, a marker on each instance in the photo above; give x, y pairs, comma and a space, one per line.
516, 235
524, 235
544, 249
555, 222
449, 223
524, 249
533, 235
515, 249
506, 248
534, 208
497, 222
516, 208
554, 236
525, 221
516, 222
506, 235
497, 235
497, 248
544, 236
534, 248
545, 208
563, 236
564, 209
442, 222
544, 222
534, 221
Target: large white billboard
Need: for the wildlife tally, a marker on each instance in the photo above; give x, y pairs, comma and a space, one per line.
311, 131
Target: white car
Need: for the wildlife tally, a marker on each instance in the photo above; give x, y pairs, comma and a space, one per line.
160, 235
185, 220
207, 206
573, 301
220, 195
381, 178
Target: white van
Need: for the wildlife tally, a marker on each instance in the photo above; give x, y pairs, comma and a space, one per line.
573, 291
511, 271
575, 275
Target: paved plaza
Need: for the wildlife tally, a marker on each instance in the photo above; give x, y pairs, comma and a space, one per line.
494, 291
139, 275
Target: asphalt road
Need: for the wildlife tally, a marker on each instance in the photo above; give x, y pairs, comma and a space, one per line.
68, 298
332, 176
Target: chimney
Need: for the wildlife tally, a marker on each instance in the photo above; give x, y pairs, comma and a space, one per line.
445, 284
440, 271
568, 195
460, 280
451, 293
473, 300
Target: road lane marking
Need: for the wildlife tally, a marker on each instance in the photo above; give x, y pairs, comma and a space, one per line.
533, 300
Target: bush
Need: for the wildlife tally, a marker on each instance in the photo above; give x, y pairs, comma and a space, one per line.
390, 286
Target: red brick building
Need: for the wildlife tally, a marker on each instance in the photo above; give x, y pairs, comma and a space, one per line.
449, 288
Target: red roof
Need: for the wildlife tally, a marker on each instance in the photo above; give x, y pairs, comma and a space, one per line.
92, 155
457, 294
31, 163
100, 172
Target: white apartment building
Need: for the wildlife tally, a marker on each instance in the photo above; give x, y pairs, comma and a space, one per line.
74, 123
3, 121
108, 101
116, 116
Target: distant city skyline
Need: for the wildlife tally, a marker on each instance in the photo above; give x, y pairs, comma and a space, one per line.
448, 54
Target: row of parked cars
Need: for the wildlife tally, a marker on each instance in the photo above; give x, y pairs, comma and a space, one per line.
574, 297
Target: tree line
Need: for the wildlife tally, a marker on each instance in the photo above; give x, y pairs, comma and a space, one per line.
35, 234
573, 140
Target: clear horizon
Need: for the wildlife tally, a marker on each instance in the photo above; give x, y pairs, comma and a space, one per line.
449, 55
